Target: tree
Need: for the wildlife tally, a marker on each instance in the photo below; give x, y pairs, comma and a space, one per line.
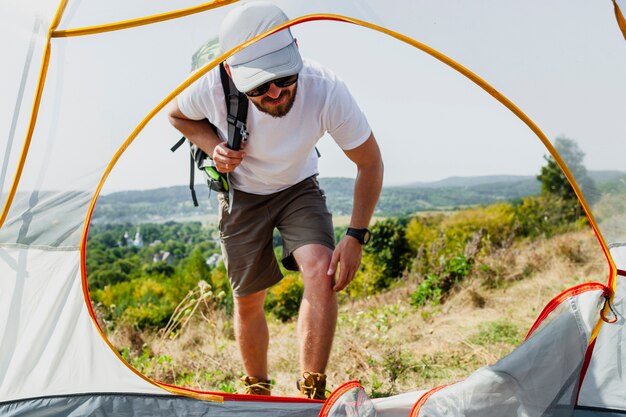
554, 181
388, 253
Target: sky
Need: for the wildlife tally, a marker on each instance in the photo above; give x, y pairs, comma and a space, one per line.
561, 63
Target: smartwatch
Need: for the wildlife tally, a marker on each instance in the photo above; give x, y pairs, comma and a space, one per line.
362, 235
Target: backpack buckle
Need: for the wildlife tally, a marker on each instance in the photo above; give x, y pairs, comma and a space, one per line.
243, 131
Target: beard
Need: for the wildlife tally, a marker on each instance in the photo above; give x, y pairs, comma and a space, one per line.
280, 110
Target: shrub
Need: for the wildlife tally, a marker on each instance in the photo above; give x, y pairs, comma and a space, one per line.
369, 279
284, 298
428, 290
497, 220
159, 268
422, 235
546, 215
435, 287
101, 278
388, 253
144, 316
423, 230
221, 284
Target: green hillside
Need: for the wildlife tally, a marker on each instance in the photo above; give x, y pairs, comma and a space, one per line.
174, 203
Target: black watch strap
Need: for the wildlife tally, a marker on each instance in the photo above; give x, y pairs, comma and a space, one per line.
362, 235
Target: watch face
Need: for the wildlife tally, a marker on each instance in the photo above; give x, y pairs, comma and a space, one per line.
366, 236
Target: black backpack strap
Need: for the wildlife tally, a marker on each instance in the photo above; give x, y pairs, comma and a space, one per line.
237, 108
192, 163
177, 144
192, 179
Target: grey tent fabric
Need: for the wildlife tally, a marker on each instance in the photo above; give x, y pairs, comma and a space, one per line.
128, 405
604, 386
539, 378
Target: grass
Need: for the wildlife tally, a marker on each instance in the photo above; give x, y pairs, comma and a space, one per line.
497, 332
383, 341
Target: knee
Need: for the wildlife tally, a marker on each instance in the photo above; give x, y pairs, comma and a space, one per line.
316, 281
250, 303
313, 259
315, 267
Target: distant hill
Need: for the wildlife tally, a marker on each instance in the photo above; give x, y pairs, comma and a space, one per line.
472, 181
597, 176
174, 203
442, 195
606, 176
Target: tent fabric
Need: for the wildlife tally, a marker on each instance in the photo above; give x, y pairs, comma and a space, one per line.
33, 214
397, 405
96, 89
48, 342
348, 400
128, 405
604, 385
593, 412
539, 378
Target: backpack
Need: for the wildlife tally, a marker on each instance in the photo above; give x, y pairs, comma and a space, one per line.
237, 109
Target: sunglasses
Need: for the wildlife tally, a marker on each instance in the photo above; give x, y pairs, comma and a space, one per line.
278, 82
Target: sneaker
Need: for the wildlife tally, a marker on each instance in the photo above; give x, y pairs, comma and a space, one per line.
313, 385
256, 386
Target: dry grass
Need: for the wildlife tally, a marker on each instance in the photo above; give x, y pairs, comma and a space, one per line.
384, 342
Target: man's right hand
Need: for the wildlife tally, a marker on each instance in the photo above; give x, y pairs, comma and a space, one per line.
225, 159
200, 133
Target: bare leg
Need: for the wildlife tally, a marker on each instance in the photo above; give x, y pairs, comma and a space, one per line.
318, 311
252, 333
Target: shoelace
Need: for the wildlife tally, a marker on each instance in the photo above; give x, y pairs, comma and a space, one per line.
257, 387
311, 390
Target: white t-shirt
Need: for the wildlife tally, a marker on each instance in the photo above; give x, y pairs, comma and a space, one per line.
280, 152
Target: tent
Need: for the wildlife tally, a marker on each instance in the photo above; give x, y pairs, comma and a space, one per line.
83, 85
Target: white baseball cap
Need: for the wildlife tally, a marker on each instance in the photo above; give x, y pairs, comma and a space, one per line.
272, 57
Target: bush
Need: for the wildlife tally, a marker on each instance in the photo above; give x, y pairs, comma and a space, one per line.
369, 279
387, 254
221, 284
159, 268
144, 302
145, 316
284, 298
546, 215
436, 287
497, 220
103, 277
422, 234
429, 289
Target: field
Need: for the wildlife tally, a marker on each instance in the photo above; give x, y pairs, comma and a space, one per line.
383, 341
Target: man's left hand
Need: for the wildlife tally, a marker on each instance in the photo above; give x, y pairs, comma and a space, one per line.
347, 255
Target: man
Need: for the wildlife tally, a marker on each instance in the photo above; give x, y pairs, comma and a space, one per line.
294, 103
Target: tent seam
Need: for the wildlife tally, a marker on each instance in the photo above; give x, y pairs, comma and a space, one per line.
92, 394
43, 72
148, 20
40, 247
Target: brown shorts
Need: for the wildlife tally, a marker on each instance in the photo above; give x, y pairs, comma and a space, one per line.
301, 216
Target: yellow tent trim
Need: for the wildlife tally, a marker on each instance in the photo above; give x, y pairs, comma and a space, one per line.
166, 16
53, 33
437, 55
513, 108
621, 22
43, 72
90, 30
